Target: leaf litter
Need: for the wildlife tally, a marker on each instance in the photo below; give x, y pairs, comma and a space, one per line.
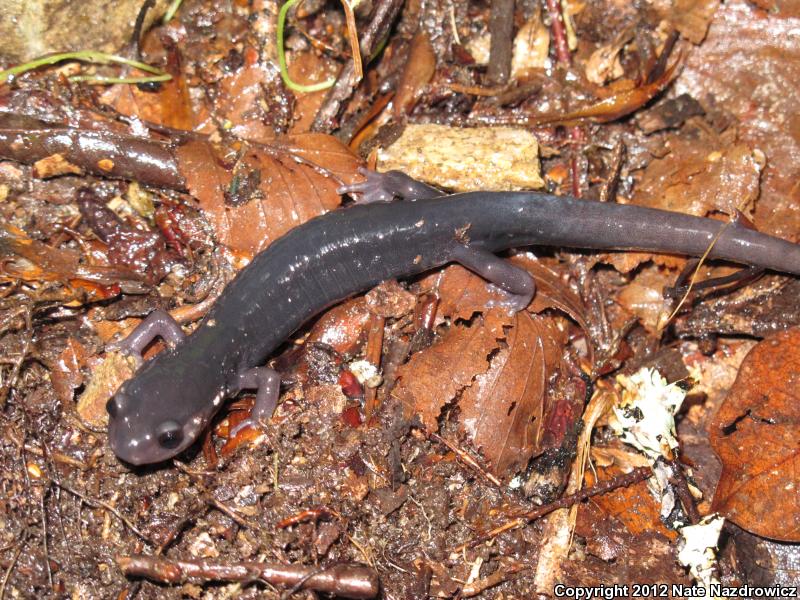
243, 161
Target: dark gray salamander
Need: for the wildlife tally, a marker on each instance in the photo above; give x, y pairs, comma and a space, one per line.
172, 398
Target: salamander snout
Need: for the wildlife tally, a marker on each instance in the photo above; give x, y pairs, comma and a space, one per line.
139, 435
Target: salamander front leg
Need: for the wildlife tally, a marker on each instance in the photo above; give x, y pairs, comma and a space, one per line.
515, 281
385, 187
267, 383
158, 323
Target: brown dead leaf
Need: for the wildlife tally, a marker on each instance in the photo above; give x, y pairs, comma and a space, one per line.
628, 261
462, 293
307, 68
498, 369
699, 177
552, 291
66, 373
692, 18
245, 98
634, 505
168, 105
433, 378
755, 434
288, 186
502, 411
763, 99
644, 296
418, 71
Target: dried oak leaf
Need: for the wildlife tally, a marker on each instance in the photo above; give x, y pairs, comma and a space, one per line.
692, 18
701, 176
633, 506
764, 100
755, 436
433, 378
502, 411
462, 293
294, 178
498, 369
697, 177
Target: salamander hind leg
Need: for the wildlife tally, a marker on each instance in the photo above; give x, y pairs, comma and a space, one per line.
516, 282
385, 187
267, 383
158, 323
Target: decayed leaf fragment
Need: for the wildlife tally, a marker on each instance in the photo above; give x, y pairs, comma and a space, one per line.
288, 181
633, 506
436, 376
755, 434
693, 17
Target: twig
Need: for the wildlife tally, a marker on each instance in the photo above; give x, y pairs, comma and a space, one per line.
635, 476
45, 533
58, 457
678, 479
559, 32
18, 362
499, 576
125, 156
347, 580
374, 34
565, 59
352, 36
501, 29
101, 504
138, 26
11, 566
467, 459
373, 356
209, 499
609, 190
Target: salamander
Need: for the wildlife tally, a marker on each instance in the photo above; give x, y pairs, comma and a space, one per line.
165, 406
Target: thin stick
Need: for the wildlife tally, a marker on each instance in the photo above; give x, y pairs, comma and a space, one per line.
467, 459
101, 504
11, 566
635, 476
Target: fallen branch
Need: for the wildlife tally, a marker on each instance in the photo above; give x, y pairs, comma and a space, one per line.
346, 580
635, 476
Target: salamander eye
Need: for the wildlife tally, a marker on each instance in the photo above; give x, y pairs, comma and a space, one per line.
169, 434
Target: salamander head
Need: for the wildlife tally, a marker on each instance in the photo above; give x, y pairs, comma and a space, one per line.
152, 428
